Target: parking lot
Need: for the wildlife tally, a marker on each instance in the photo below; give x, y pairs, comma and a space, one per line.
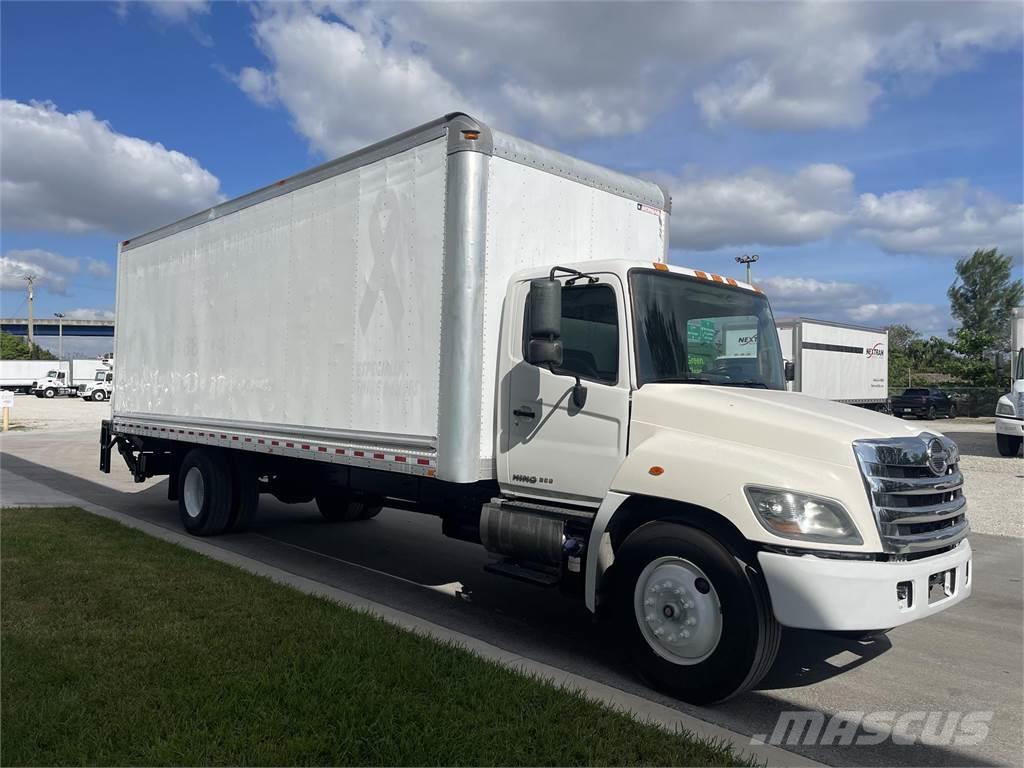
966, 659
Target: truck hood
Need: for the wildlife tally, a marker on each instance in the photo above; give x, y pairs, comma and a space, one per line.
785, 422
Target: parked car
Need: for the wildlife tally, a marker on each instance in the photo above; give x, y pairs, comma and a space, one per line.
923, 403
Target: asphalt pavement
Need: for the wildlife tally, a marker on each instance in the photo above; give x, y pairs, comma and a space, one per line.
967, 659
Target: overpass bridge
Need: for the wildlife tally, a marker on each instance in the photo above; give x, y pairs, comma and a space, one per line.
18, 326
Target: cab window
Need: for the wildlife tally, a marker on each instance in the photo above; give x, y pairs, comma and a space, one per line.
590, 333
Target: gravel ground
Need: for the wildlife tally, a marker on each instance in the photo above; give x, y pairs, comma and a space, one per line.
61, 413
994, 485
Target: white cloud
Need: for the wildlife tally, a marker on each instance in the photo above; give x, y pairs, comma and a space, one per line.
809, 297
759, 207
353, 72
74, 173
98, 268
178, 11
343, 89
948, 220
50, 270
90, 314
850, 302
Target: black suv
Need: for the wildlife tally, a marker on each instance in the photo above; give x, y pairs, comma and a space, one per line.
923, 403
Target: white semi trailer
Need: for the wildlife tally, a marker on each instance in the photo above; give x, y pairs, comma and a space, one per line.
837, 361
489, 332
23, 375
1010, 408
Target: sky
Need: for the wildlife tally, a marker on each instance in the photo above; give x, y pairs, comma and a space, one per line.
859, 149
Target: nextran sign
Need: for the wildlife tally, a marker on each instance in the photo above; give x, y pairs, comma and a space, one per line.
875, 351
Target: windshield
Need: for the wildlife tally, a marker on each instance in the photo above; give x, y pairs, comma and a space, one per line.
695, 331
100, 376
51, 374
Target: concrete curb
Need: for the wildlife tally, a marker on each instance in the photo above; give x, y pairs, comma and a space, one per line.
636, 706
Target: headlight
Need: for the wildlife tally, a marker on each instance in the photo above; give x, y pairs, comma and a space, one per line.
795, 515
1005, 407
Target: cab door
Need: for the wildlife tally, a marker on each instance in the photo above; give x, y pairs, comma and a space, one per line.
551, 447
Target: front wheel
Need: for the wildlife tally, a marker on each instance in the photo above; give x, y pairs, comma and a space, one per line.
49, 393
99, 395
1008, 445
696, 620
931, 412
952, 412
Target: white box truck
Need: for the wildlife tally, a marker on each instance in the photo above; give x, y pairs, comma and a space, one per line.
23, 375
69, 379
1010, 408
837, 361
489, 332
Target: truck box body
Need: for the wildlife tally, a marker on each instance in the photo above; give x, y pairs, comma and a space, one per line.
353, 311
845, 363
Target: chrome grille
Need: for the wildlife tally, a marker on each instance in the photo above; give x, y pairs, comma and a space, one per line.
916, 491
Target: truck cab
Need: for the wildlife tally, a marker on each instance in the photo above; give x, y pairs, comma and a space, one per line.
54, 384
100, 388
710, 484
1010, 408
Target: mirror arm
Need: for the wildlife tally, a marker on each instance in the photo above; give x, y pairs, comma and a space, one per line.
579, 392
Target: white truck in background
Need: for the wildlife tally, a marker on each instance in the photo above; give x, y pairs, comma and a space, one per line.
837, 361
22, 375
1010, 408
68, 379
490, 333
102, 385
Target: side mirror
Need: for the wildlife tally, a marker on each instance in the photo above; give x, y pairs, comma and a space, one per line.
790, 371
545, 345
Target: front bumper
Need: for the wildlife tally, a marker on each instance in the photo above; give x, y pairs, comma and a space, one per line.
810, 592
1010, 425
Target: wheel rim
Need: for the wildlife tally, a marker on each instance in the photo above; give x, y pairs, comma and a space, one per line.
195, 491
678, 610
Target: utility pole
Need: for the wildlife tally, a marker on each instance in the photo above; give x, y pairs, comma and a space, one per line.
30, 279
748, 260
60, 334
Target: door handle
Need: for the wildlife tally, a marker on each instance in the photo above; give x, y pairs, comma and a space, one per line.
524, 413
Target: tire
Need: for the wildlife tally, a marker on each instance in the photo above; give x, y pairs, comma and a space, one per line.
99, 396
338, 506
49, 393
952, 412
931, 412
205, 492
710, 667
246, 498
1008, 445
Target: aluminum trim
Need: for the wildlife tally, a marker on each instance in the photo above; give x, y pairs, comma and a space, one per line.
926, 514
462, 306
417, 442
922, 542
916, 486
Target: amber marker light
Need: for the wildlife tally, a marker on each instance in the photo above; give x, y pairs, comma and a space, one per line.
661, 267
656, 470
471, 135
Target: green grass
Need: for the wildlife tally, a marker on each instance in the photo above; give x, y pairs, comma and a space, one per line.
119, 649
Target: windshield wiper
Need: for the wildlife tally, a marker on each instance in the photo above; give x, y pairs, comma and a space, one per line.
747, 383
682, 380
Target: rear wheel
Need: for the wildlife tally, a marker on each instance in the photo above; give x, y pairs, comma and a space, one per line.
246, 497
931, 411
696, 621
205, 492
1008, 445
952, 412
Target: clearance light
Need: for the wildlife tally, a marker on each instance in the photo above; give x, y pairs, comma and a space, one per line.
661, 267
471, 135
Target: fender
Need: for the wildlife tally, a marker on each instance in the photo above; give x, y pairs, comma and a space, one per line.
711, 474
